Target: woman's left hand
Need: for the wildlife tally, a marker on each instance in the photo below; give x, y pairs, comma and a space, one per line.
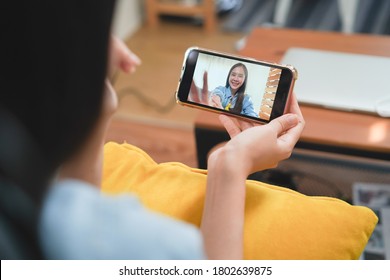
121, 57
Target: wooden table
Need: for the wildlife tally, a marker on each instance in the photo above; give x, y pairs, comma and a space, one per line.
205, 9
326, 130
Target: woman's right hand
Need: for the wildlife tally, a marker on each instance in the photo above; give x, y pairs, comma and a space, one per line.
200, 95
264, 146
252, 148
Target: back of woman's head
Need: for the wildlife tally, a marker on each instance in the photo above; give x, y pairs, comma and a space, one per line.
53, 60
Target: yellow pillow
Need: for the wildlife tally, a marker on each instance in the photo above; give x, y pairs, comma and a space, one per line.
279, 223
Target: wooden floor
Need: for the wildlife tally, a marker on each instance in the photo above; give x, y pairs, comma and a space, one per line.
148, 116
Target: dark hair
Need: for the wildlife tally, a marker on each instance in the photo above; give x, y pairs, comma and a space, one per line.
241, 90
53, 65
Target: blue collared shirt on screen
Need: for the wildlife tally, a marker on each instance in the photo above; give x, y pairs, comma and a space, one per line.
225, 94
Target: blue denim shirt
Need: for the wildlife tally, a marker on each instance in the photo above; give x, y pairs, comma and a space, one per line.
226, 95
80, 222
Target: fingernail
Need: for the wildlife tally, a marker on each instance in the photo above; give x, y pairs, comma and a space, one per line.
292, 119
135, 58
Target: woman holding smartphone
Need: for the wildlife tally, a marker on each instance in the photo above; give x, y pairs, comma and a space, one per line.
64, 107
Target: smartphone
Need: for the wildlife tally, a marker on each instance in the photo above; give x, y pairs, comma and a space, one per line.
234, 85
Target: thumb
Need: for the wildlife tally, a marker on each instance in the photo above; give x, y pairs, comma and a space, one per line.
284, 123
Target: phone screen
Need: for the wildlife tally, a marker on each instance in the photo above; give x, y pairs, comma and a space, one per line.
238, 86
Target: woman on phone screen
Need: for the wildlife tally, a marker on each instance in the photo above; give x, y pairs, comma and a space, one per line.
232, 97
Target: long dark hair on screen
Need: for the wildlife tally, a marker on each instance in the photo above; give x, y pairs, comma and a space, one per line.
241, 90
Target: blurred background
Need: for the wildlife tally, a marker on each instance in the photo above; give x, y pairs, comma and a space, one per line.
161, 38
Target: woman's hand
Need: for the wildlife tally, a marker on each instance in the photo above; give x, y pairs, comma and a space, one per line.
120, 57
264, 146
252, 148
215, 101
200, 96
